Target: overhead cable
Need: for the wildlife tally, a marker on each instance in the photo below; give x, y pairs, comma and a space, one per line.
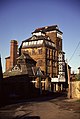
74, 51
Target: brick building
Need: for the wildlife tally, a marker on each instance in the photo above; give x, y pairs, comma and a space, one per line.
45, 48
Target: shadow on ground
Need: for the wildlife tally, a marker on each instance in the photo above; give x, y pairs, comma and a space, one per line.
40, 98
27, 117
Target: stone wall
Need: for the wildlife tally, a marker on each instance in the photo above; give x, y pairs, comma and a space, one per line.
75, 89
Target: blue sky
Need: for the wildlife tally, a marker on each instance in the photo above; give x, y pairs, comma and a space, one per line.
18, 18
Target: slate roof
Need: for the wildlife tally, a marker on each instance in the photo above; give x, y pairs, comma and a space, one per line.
26, 57
37, 38
18, 69
43, 30
47, 28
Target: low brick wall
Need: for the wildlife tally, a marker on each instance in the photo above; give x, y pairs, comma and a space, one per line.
75, 89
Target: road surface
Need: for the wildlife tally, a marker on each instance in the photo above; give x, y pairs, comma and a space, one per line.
41, 108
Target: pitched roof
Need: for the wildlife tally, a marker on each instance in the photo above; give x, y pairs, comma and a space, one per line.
37, 38
26, 56
37, 71
47, 28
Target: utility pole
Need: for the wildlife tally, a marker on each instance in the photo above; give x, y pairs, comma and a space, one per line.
68, 74
1, 73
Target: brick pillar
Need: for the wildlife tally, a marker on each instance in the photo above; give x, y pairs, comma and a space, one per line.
13, 53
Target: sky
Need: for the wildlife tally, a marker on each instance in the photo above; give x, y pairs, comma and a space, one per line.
19, 18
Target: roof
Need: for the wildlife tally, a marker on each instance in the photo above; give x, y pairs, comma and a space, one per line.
36, 38
26, 57
37, 71
18, 69
61, 52
7, 57
47, 28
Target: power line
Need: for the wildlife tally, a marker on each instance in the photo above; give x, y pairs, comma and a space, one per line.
74, 51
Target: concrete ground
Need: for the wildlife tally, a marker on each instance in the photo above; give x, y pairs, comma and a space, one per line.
42, 108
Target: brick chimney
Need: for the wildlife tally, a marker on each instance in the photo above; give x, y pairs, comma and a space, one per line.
13, 53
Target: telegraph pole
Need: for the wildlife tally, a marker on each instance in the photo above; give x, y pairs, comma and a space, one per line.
68, 74
1, 74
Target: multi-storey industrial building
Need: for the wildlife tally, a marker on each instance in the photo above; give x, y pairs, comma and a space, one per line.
44, 47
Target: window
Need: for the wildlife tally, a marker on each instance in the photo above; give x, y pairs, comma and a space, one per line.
33, 51
60, 57
54, 64
48, 63
60, 67
48, 70
53, 54
40, 51
48, 52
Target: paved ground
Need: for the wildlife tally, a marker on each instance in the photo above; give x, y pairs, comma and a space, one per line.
42, 108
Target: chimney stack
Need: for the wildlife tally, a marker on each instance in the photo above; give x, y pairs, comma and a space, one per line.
13, 53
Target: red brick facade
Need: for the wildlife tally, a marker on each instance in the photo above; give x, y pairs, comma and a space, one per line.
11, 61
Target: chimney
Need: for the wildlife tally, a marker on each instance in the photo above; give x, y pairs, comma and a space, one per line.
13, 53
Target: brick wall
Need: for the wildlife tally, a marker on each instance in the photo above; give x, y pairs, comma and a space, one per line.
7, 63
